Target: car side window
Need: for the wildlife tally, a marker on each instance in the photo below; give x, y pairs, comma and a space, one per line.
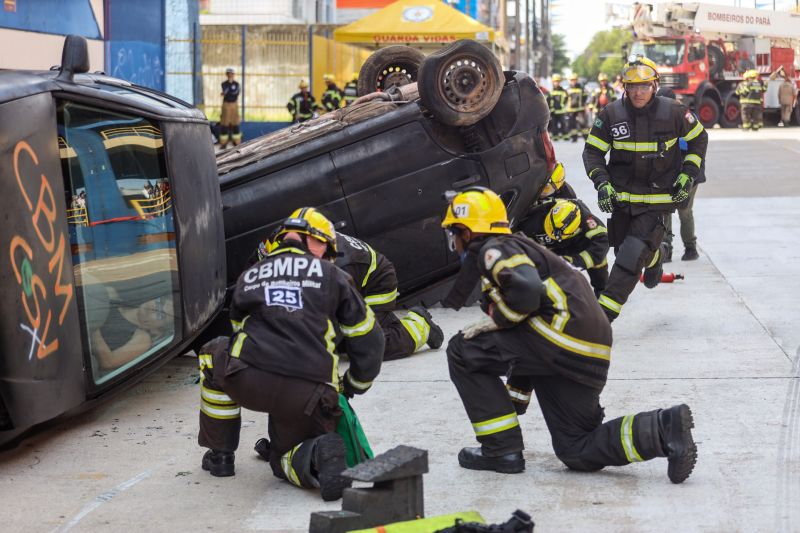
122, 232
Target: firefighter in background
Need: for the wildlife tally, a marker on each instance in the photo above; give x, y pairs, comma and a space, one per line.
351, 90
302, 105
569, 229
332, 97
281, 358
544, 328
603, 95
646, 176
229, 120
576, 105
376, 280
557, 101
750, 93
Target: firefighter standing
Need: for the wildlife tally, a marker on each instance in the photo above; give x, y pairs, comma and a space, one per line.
229, 120
546, 330
351, 90
576, 104
569, 229
557, 101
645, 178
332, 97
282, 358
302, 105
603, 95
787, 96
750, 93
376, 280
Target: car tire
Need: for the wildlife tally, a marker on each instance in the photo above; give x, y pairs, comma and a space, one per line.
708, 112
392, 66
460, 84
731, 115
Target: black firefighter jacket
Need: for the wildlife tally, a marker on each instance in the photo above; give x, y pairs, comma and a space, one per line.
372, 272
285, 311
545, 307
645, 158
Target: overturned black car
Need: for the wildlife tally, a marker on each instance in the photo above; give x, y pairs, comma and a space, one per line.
379, 168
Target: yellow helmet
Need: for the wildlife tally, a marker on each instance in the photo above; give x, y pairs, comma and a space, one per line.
750, 74
602, 77
557, 77
554, 182
327, 77
355, 75
573, 77
639, 69
309, 221
563, 220
302, 85
479, 209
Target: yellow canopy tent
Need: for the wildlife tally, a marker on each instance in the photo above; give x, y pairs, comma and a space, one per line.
417, 23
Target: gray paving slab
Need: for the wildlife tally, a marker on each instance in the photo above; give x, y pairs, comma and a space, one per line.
725, 340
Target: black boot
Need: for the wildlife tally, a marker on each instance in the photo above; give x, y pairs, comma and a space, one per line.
329, 462
219, 464
690, 254
262, 448
675, 428
436, 335
473, 459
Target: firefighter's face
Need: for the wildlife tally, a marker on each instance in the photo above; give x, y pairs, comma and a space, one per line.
639, 93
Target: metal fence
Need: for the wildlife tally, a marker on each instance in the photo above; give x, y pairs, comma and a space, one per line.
270, 61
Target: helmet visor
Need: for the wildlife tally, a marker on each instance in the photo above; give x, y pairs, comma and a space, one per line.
639, 74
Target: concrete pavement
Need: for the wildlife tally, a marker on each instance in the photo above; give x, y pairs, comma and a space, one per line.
725, 341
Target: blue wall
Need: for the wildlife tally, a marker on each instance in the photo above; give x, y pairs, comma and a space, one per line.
60, 17
135, 41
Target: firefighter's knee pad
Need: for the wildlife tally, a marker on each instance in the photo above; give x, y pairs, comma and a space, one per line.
630, 255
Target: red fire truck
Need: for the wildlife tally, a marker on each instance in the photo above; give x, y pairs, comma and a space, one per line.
703, 49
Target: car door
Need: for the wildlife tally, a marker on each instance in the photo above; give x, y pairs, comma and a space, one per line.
394, 180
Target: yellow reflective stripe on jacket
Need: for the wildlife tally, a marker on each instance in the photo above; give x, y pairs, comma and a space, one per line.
380, 299
373, 264
596, 231
501, 305
559, 299
362, 328
591, 172
598, 143
644, 146
644, 198
239, 326
655, 259
605, 301
288, 249
694, 132
236, 350
569, 343
626, 437
417, 327
204, 360
222, 412
330, 345
495, 425
360, 385
587, 258
693, 158
511, 262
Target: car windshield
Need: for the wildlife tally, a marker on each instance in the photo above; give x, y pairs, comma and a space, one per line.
664, 52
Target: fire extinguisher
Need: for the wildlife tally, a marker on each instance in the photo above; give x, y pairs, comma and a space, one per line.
666, 277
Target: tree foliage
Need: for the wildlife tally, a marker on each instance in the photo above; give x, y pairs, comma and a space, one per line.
560, 57
603, 54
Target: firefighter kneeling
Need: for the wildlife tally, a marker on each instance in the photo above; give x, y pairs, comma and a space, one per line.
281, 359
545, 329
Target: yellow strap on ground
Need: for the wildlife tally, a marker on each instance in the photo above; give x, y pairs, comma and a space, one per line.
426, 525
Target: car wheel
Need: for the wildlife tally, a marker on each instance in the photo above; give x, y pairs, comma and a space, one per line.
461, 83
731, 114
708, 112
393, 66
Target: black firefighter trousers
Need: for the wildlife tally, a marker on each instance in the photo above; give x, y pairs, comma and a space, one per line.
299, 411
636, 238
571, 410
